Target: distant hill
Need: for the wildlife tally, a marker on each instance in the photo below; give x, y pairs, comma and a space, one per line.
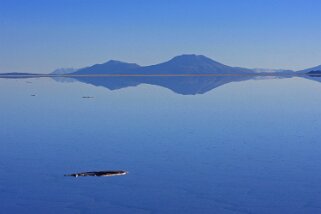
317, 68
192, 64
318, 72
187, 64
16, 73
184, 64
110, 67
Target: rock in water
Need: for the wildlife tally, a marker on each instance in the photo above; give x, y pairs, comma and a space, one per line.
99, 173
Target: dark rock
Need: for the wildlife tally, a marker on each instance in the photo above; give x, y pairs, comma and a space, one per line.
315, 73
99, 173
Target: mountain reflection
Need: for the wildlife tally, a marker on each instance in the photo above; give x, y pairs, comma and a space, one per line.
184, 85
313, 77
190, 85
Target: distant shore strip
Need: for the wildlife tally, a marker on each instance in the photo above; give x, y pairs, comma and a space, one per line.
150, 75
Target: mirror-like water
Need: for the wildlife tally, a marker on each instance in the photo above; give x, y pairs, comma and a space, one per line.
190, 145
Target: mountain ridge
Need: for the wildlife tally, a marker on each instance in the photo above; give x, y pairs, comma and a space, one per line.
182, 64
186, 64
316, 68
112, 66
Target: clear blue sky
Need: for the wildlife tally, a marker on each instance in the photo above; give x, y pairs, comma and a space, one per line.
41, 35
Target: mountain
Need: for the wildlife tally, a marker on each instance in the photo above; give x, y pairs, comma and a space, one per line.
188, 64
314, 72
192, 64
110, 67
184, 64
313, 75
317, 68
60, 71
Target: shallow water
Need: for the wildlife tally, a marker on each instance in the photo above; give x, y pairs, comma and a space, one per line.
190, 145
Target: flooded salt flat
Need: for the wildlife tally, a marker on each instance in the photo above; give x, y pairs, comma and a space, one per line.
190, 145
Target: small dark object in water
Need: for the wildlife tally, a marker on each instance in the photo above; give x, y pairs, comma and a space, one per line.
87, 97
99, 173
33, 95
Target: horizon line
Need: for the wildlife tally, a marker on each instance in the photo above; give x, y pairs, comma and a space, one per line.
151, 75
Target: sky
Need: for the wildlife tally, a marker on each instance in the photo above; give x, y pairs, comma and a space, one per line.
42, 35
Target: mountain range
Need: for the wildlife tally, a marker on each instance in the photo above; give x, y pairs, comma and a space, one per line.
185, 74
188, 64
184, 64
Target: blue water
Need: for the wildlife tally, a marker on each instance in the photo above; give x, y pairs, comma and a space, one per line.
191, 145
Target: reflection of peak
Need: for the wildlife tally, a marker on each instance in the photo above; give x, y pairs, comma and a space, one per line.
180, 85
314, 75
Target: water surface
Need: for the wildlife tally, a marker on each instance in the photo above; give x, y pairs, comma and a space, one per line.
191, 145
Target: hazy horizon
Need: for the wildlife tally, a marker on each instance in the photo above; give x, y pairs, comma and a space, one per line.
41, 36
